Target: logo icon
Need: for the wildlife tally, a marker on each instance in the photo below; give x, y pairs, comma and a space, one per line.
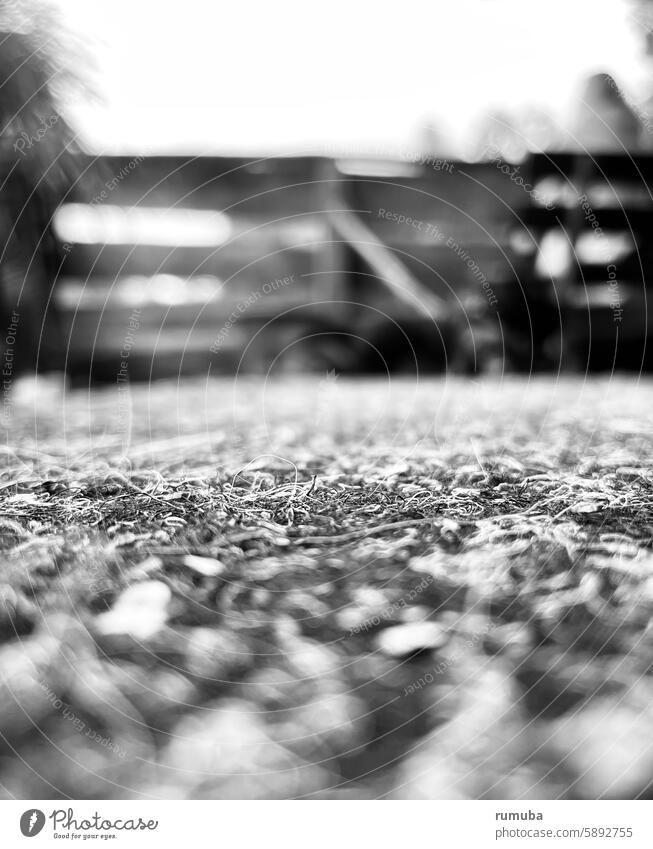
32, 822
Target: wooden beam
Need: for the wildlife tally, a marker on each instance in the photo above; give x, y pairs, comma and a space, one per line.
389, 269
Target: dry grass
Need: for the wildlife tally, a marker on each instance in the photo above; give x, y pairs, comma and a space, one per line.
329, 589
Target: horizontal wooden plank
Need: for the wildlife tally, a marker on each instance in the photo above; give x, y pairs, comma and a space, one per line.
611, 166
259, 261
246, 186
639, 220
180, 301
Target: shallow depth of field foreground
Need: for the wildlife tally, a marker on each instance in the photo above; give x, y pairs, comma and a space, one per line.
331, 589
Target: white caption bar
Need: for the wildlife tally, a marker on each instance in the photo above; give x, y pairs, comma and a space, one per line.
325, 824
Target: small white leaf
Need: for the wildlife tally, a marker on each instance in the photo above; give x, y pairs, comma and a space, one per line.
208, 567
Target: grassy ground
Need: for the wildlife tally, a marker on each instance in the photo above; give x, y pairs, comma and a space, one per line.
328, 589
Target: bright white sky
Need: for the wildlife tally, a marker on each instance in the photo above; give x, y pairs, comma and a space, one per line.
257, 76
